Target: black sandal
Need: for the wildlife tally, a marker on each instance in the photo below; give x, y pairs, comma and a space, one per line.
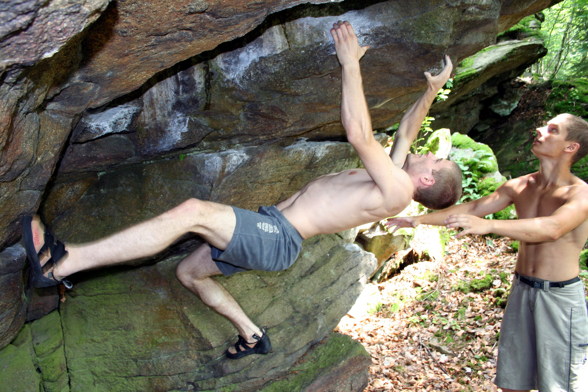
242, 347
56, 249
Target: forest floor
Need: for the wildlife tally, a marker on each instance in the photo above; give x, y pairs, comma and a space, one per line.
435, 325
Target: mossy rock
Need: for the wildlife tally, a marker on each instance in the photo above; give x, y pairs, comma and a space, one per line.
18, 370
307, 375
529, 26
47, 336
478, 157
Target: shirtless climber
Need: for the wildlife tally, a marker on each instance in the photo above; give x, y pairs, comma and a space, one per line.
240, 240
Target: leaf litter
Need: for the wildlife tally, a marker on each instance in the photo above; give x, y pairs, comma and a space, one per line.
435, 325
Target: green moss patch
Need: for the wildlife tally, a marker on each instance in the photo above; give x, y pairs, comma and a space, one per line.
326, 355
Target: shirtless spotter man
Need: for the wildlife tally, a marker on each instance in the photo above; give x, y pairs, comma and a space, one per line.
544, 335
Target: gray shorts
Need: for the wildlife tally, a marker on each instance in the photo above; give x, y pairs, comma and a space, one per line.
262, 240
544, 339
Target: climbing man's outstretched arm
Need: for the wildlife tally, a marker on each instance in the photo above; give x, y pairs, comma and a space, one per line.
414, 116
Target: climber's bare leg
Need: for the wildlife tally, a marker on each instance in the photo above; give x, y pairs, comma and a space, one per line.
212, 221
195, 272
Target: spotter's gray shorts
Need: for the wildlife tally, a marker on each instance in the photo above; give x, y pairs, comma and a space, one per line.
544, 339
262, 240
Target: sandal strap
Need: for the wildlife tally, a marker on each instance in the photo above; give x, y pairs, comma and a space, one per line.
56, 250
56, 247
262, 345
68, 284
241, 344
244, 345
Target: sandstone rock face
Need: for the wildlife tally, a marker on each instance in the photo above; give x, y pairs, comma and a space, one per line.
138, 329
34, 30
482, 78
241, 73
113, 112
12, 306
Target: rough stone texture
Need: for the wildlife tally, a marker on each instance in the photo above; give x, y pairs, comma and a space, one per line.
138, 329
48, 344
18, 369
481, 78
334, 365
146, 37
381, 243
12, 305
113, 112
279, 80
246, 177
32, 30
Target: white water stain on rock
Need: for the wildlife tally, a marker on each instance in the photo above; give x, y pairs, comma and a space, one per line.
233, 159
234, 65
178, 125
315, 149
225, 162
110, 121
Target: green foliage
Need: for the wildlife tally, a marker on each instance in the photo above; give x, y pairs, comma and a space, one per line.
476, 285
580, 168
445, 236
488, 185
389, 308
565, 34
482, 161
515, 246
432, 295
584, 259
419, 319
486, 283
443, 94
418, 146
500, 297
377, 308
569, 96
507, 213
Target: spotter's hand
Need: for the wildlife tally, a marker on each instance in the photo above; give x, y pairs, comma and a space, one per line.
400, 222
469, 223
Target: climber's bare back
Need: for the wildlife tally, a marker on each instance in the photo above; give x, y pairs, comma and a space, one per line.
343, 200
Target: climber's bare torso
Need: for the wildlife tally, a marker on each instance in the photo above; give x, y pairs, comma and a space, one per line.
343, 200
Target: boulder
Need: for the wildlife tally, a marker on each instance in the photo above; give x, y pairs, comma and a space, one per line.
113, 112
138, 329
482, 81
204, 75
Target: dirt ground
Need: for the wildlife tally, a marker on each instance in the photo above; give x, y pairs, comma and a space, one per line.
435, 325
